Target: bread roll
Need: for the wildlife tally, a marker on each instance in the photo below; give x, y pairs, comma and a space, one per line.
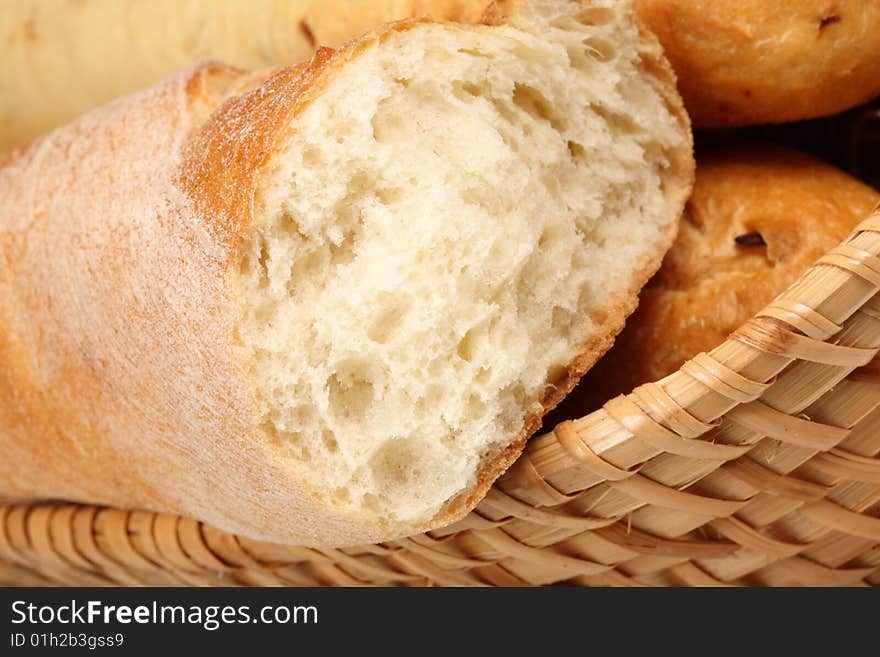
63, 57
329, 305
754, 61
759, 216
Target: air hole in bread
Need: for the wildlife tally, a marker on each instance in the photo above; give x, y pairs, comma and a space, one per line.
329, 440
532, 102
407, 466
576, 151
476, 53
352, 388
599, 49
340, 496
390, 317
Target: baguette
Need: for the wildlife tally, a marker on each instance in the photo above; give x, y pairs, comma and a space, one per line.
63, 57
329, 305
759, 216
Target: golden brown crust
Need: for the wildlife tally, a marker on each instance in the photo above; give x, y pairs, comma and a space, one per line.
753, 61
118, 311
710, 283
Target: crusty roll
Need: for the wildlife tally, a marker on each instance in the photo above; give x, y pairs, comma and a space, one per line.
329, 305
759, 216
63, 57
749, 62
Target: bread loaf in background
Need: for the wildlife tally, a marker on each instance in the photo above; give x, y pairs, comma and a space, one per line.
328, 305
748, 62
738, 63
759, 216
63, 57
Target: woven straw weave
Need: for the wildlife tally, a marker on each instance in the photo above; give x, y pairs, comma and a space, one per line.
755, 464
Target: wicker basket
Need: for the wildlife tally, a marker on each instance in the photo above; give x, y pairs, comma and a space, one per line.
755, 464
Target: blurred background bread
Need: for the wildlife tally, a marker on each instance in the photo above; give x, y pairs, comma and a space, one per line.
745, 62
738, 63
759, 216
63, 57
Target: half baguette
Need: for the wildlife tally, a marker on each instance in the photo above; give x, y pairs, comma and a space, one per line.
328, 305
